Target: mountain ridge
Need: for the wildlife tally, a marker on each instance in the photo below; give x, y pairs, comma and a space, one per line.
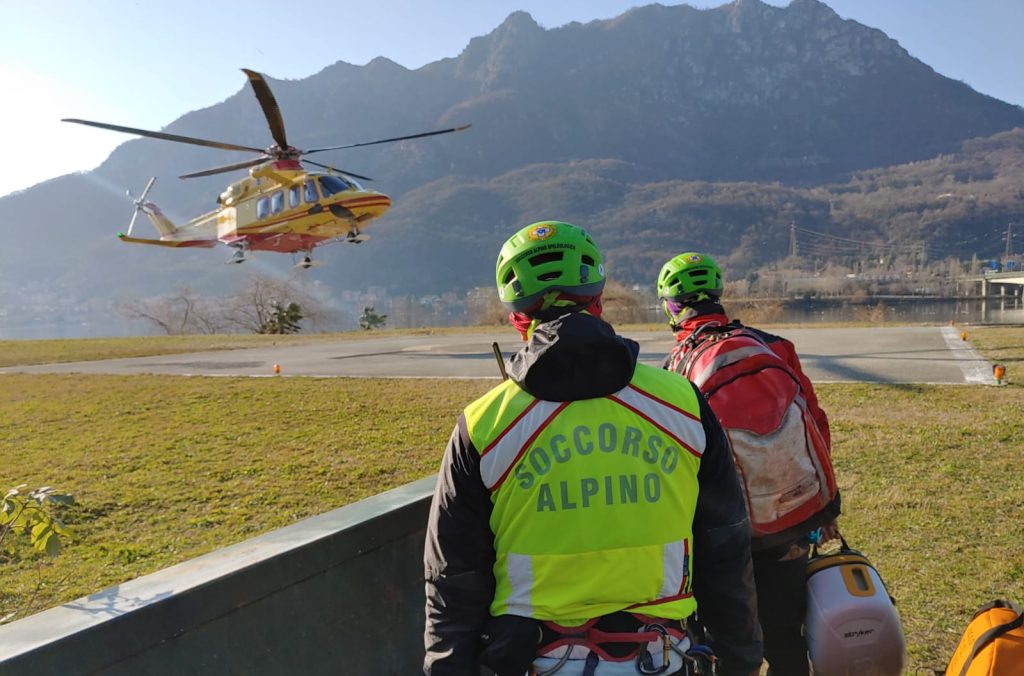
593, 121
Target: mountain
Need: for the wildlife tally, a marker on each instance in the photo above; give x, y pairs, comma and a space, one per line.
956, 204
663, 128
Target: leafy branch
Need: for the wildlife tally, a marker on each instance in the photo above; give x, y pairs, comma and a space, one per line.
32, 514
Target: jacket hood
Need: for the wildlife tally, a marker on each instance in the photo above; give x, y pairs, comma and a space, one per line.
576, 356
708, 312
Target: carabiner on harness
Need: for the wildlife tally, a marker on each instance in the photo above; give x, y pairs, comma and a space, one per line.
644, 661
589, 667
701, 659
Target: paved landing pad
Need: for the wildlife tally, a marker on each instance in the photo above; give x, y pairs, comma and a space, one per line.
922, 354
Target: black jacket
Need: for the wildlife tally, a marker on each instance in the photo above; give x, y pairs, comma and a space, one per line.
574, 357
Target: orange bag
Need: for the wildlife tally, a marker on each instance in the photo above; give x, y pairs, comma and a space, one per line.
992, 644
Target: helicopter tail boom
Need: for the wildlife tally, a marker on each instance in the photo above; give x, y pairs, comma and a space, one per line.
163, 225
201, 243
170, 234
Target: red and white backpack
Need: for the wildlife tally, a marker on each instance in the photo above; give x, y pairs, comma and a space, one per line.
784, 462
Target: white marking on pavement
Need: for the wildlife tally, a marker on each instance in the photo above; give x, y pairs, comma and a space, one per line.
974, 367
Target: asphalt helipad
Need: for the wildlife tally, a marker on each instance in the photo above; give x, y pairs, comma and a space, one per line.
917, 354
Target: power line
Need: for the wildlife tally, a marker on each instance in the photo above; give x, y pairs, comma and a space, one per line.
861, 243
883, 248
830, 253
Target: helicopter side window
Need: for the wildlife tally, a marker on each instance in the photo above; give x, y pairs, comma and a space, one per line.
294, 196
263, 207
311, 195
333, 184
277, 202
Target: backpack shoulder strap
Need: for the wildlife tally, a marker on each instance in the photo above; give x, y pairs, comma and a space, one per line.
705, 331
996, 631
716, 335
695, 344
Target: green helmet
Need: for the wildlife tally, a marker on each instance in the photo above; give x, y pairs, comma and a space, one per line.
548, 256
690, 277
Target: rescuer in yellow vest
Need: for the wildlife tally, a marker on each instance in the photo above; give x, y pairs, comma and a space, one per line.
588, 505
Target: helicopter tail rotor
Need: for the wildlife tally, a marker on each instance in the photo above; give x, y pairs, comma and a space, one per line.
140, 203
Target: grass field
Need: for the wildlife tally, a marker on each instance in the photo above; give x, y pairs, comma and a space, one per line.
167, 468
25, 352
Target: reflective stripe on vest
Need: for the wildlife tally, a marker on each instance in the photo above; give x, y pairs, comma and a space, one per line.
593, 499
498, 457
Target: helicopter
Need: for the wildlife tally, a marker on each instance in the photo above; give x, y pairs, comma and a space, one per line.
279, 206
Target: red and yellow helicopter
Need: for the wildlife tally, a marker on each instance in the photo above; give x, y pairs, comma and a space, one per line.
280, 206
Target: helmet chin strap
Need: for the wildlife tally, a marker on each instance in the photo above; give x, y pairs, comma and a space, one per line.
675, 320
679, 311
553, 300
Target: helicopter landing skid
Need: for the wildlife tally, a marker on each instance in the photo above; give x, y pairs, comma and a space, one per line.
354, 238
237, 257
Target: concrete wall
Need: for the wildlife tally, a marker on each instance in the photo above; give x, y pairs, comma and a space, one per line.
340, 593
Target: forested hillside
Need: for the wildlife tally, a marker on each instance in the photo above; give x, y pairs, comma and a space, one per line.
664, 128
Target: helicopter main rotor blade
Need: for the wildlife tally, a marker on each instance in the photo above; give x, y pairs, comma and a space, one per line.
388, 140
227, 167
165, 137
340, 171
145, 191
269, 105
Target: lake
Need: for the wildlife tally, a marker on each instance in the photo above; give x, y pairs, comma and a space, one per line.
910, 310
905, 310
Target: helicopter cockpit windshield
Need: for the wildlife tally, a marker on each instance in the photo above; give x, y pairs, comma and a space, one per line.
334, 184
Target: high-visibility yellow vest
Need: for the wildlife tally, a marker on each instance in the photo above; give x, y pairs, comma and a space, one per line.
593, 499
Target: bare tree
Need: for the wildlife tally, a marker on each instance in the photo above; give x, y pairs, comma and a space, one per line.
183, 312
483, 307
251, 309
406, 312
625, 305
254, 306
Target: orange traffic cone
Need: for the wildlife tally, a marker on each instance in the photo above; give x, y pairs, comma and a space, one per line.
277, 369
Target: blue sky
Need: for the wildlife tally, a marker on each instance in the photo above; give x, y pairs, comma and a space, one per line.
144, 63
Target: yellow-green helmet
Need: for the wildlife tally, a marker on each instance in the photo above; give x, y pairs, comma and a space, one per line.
690, 277
544, 257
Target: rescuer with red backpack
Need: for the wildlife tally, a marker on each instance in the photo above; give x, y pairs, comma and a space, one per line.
779, 437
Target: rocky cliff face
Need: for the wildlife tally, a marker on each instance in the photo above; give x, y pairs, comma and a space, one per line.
747, 91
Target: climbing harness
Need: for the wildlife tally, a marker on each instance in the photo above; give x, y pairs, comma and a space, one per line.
651, 640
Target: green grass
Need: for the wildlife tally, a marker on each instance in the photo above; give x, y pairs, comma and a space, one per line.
1001, 345
932, 482
25, 352
165, 469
